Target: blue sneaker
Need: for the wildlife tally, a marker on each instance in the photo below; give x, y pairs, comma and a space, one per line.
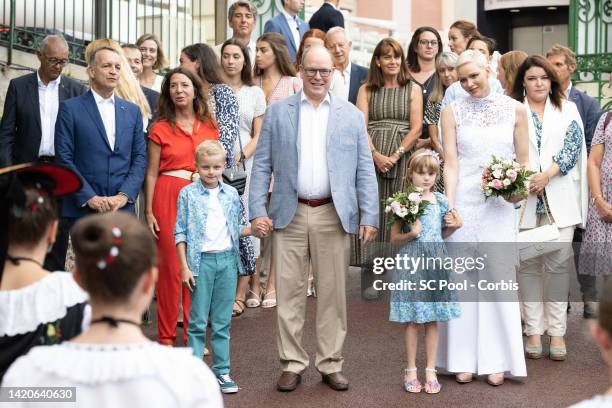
228, 386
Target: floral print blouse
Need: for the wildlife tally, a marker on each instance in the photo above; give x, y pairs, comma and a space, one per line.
567, 157
224, 105
191, 214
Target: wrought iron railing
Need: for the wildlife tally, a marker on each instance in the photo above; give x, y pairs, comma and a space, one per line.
176, 22
590, 36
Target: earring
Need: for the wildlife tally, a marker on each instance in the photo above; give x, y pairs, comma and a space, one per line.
524, 92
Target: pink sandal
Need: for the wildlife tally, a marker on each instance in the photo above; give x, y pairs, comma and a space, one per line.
414, 386
432, 387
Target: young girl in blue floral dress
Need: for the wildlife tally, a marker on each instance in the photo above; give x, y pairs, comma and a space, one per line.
424, 239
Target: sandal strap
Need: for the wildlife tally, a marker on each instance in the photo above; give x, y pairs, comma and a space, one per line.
409, 370
431, 370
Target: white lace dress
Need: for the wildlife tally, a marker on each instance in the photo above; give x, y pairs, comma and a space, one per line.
487, 338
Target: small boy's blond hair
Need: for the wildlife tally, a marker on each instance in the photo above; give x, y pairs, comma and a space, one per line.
209, 148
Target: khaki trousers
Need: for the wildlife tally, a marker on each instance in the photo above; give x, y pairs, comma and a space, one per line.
315, 235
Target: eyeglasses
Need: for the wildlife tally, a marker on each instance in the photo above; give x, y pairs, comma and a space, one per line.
431, 43
55, 61
312, 72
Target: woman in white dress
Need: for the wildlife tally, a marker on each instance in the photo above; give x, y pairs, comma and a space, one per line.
113, 362
486, 339
252, 106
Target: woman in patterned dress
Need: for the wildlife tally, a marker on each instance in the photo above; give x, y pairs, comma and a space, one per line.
201, 59
252, 104
598, 234
392, 106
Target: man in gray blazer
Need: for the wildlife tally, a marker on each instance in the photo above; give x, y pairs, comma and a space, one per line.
325, 188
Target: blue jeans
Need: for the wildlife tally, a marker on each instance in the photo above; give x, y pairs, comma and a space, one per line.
213, 294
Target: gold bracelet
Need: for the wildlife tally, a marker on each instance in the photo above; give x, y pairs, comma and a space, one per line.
594, 198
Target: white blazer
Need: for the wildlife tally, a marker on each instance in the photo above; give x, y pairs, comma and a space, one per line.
567, 194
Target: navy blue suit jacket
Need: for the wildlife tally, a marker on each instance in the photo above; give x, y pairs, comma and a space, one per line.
278, 24
81, 144
20, 131
589, 111
359, 75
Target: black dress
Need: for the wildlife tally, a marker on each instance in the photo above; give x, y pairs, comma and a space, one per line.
46, 312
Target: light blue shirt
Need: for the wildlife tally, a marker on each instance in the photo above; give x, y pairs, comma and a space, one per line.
191, 214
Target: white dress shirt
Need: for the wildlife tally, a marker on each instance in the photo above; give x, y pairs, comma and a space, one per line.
106, 107
293, 26
345, 76
216, 233
48, 102
313, 175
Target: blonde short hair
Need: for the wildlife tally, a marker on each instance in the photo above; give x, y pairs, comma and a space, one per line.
472, 56
209, 148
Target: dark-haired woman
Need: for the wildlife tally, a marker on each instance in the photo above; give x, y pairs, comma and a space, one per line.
557, 193
36, 307
201, 60
252, 103
274, 72
184, 121
425, 46
113, 362
392, 106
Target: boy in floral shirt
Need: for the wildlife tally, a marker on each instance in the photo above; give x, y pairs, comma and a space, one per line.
206, 233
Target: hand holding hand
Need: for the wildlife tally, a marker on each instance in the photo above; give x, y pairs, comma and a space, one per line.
367, 233
452, 219
261, 226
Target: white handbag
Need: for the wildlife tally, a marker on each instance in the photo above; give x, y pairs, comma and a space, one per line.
541, 240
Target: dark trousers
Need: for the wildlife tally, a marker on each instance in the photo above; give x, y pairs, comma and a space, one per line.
588, 283
56, 259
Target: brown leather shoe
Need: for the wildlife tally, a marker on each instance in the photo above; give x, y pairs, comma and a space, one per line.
288, 381
336, 381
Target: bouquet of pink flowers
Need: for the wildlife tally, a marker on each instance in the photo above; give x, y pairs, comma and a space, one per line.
504, 178
406, 206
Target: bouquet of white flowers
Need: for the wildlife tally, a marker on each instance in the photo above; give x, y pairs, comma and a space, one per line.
406, 206
504, 178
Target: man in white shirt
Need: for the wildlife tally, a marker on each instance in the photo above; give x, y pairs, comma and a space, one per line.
100, 137
326, 190
289, 25
242, 16
27, 131
348, 77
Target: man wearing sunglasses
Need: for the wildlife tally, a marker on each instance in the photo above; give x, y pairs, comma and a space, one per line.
325, 188
27, 130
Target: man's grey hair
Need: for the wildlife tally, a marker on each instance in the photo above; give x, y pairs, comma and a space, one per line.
338, 29
92, 58
53, 37
241, 3
316, 47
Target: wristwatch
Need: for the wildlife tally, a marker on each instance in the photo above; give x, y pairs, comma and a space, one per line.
594, 198
400, 151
